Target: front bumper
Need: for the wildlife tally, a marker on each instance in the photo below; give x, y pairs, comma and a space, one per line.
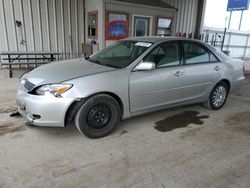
46, 111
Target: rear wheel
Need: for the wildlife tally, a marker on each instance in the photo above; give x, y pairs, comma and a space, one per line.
98, 116
218, 96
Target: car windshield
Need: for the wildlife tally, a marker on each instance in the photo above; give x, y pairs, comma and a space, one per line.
120, 54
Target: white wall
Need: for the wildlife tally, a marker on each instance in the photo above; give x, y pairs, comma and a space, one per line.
95, 5
47, 25
58, 25
186, 15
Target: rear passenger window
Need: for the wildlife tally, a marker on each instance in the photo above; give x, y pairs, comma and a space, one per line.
165, 55
196, 53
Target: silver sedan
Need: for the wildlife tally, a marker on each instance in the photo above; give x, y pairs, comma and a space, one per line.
130, 77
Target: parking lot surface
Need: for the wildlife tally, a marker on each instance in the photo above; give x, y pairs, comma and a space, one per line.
182, 147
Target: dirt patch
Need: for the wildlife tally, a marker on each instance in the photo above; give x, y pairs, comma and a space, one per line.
8, 109
247, 76
190, 133
179, 121
238, 93
10, 128
17, 136
240, 122
123, 132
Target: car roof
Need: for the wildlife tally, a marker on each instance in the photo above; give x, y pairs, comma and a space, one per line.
154, 39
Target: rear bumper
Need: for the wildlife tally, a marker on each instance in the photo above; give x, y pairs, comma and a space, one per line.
236, 84
43, 110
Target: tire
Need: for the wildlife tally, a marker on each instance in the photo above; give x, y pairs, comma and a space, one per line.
98, 116
218, 96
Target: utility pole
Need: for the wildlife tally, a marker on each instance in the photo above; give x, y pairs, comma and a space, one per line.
240, 19
229, 22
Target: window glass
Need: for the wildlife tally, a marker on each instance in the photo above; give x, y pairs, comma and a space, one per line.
196, 53
213, 58
165, 55
92, 24
164, 23
164, 26
123, 50
141, 27
120, 54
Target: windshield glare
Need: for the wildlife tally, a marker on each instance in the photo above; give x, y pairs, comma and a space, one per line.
120, 54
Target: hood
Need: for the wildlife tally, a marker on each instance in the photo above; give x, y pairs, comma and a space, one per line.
60, 71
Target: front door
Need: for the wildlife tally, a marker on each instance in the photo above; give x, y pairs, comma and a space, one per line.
141, 26
161, 86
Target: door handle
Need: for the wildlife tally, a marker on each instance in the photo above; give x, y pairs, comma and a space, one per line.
217, 68
179, 73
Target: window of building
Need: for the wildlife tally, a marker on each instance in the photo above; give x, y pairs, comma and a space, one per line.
93, 24
164, 26
116, 26
196, 53
141, 26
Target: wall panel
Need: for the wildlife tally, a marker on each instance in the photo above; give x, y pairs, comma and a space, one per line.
3, 32
46, 25
58, 25
186, 15
10, 24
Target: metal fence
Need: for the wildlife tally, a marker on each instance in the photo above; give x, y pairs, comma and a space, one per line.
236, 43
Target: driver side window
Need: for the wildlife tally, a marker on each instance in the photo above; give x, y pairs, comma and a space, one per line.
164, 55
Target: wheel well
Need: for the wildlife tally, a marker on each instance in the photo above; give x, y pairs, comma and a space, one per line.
75, 106
72, 110
227, 82
118, 99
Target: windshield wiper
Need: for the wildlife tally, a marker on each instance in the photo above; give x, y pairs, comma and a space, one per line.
113, 66
103, 64
94, 61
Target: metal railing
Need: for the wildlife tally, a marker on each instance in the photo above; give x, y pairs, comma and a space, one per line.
236, 43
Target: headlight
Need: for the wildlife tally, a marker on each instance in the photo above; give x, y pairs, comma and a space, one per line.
54, 89
23, 81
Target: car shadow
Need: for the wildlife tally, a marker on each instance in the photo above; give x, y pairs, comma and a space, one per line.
60, 132
151, 118
125, 127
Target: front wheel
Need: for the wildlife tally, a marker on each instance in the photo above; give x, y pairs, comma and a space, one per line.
98, 116
218, 96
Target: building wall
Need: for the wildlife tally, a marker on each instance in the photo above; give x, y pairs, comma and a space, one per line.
95, 5
46, 25
186, 15
58, 25
139, 10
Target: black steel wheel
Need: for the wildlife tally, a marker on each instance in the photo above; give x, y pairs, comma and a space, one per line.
98, 116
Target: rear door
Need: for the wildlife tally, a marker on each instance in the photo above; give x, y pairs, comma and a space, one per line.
202, 70
161, 86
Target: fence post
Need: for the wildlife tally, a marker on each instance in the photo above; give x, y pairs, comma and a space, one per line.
1, 61
245, 49
223, 40
229, 40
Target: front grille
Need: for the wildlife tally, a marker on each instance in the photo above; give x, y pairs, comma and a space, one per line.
28, 85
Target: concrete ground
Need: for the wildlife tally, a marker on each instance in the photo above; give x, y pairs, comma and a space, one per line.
210, 150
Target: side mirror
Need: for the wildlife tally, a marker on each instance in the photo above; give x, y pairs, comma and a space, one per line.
144, 66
